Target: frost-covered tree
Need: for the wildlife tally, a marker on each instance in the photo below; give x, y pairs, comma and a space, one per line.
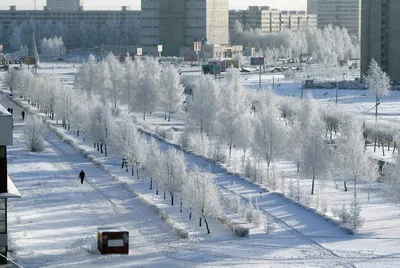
232, 107
86, 78
122, 135
172, 172
202, 195
378, 83
269, 135
100, 123
147, 85
52, 47
203, 106
33, 134
116, 78
308, 138
152, 162
171, 90
350, 155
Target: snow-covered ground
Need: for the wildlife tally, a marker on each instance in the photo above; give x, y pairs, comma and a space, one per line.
54, 204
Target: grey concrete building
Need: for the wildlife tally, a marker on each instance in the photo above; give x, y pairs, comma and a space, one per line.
271, 20
64, 5
176, 23
342, 13
68, 18
380, 36
312, 7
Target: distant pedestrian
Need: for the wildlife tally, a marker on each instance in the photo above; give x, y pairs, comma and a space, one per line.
23, 115
9, 110
12, 110
82, 176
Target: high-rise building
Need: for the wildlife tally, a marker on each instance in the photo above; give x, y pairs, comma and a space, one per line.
271, 21
312, 7
380, 36
342, 13
64, 5
175, 24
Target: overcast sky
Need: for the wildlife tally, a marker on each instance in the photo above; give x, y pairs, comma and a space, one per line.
135, 4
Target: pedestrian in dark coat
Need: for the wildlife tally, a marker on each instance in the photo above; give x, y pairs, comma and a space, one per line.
82, 176
23, 115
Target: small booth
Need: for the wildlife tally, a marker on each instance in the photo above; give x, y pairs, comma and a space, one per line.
111, 240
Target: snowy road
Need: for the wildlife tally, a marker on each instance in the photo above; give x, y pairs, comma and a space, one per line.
56, 221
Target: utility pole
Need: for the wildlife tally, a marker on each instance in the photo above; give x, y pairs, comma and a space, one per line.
259, 81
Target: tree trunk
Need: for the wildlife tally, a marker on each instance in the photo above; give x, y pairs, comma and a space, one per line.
123, 163
375, 140
137, 172
313, 184
98, 147
94, 145
169, 116
77, 132
101, 148
200, 221
394, 146
151, 183
157, 189
165, 116
205, 220
133, 170
165, 197
230, 150
345, 185
172, 199
105, 150
383, 149
144, 115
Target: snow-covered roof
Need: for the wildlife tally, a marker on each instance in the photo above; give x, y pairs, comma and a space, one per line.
12, 191
112, 229
3, 111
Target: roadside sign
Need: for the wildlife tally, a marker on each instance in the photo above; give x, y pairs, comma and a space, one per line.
197, 46
159, 48
139, 51
257, 61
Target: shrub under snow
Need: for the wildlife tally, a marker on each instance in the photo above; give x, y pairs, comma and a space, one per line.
33, 134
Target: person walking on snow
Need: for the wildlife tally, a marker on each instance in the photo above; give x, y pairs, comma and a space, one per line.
82, 176
23, 115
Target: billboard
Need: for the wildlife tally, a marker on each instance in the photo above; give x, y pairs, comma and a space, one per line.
139, 51
257, 60
31, 60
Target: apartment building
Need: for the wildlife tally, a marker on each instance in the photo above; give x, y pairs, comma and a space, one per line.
271, 20
7, 188
68, 18
342, 13
177, 23
380, 36
64, 5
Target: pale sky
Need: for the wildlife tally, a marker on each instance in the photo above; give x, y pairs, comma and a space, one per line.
135, 4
